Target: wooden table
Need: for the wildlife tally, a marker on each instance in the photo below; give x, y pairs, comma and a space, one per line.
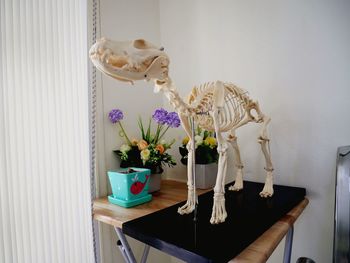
173, 192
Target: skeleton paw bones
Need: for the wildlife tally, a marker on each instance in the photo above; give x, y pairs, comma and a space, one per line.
219, 211
190, 204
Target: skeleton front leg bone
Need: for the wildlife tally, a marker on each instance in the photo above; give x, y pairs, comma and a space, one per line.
191, 202
219, 210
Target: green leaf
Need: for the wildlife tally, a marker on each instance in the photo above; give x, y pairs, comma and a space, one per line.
148, 135
141, 127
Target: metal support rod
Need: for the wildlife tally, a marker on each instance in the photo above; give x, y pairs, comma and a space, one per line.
288, 245
145, 254
195, 198
125, 245
122, 251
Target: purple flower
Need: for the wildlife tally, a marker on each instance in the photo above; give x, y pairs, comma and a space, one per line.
115, 115
160, 116
172, 120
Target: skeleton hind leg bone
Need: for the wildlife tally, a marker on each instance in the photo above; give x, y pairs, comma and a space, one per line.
264, 142
232, 138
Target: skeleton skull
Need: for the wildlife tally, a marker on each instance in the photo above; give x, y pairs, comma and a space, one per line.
130, 60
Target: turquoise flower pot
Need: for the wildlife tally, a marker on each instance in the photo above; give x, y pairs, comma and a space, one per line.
129, 189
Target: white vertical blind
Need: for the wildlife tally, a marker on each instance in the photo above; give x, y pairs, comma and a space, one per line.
45, 211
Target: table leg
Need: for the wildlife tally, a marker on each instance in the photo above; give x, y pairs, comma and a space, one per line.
125, 248
288, 246
122, 251
145, 254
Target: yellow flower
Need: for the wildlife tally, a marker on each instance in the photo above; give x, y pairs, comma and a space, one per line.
142, 144
211, 141
185, 140
145, 154
160, 148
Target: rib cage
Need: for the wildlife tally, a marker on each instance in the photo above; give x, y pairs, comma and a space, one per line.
235, 107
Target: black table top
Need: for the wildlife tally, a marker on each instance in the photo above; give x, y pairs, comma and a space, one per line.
249, 216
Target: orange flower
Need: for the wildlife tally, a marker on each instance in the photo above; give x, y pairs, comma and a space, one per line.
134, 142
160, 148
142, 144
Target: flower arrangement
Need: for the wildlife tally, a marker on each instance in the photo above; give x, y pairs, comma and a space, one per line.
149, 151
206, 147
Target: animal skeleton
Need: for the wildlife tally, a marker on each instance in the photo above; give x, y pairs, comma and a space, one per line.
215, 106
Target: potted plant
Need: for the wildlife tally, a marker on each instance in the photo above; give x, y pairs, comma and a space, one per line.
206, 157
150, 150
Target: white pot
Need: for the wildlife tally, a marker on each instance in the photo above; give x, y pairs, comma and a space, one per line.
154, 183
206, 175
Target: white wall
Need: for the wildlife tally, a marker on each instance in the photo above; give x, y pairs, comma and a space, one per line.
294, 57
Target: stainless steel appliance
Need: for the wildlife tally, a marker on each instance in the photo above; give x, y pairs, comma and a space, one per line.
341, 251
